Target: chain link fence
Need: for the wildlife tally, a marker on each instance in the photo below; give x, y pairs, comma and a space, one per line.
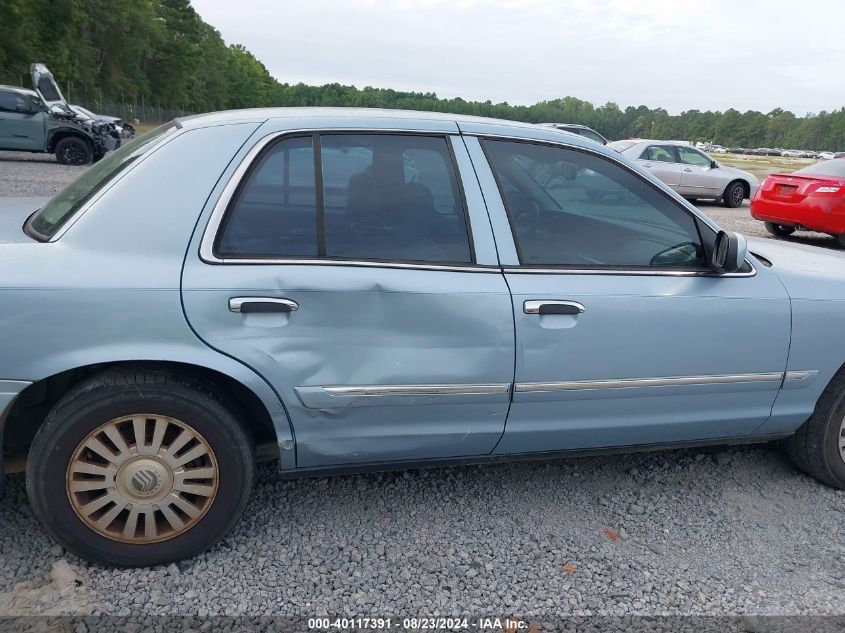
142, 113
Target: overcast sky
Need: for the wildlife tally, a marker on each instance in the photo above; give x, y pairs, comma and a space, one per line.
678, 54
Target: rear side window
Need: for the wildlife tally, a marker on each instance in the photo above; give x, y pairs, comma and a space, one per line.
658, 153
381, 197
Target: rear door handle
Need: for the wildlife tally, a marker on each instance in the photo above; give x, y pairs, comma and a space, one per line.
553, 307
246, 305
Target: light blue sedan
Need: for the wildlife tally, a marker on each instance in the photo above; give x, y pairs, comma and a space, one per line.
343, 290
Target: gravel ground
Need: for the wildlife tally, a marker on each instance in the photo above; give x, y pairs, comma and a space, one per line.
708, 531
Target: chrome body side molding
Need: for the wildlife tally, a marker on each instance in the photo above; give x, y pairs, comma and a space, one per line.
633, 383
415, 390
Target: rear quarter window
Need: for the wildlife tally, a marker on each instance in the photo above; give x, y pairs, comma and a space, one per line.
47, 221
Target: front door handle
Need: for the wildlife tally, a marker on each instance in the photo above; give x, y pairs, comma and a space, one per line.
688, 170
246, 305
553, 307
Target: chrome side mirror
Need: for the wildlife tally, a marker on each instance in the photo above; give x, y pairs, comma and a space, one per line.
729, 252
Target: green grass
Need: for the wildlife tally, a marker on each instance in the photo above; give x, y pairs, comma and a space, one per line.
762, 166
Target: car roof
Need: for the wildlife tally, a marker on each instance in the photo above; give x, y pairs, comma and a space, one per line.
261, 114
26, 91
652, 141
326, 117
577, 126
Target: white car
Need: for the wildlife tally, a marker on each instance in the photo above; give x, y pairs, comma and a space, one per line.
690, 172
793, 153
827, 155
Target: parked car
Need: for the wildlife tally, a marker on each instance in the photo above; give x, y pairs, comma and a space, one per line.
42, 121
736, 150
811, 198
793, 153
827, 155
345, 290
689, 171
580, 130
718, 149
126, 130
839, 155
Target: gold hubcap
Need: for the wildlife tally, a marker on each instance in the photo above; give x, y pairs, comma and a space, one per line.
142, 478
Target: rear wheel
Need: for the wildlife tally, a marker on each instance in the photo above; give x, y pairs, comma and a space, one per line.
841, 239
779, 230
140, 468
74, 150
818, 447
734, 195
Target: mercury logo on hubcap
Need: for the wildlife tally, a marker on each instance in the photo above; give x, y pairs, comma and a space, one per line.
145, 481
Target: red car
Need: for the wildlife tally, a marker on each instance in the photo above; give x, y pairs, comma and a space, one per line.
812, 198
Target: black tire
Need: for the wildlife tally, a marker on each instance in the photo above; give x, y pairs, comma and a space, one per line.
734, 195
113, 395
841, 239
779, 230
815, 446
73, 150
98, 157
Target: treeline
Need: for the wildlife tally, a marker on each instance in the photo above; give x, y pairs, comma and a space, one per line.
160, 54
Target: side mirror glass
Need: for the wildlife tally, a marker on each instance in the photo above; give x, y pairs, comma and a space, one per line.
729, 252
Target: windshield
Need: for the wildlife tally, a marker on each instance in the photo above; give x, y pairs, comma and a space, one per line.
835, 167
45, 222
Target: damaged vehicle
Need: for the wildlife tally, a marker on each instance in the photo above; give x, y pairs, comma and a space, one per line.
124, 128
342, 290
41, 120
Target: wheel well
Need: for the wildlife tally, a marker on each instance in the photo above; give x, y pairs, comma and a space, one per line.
746, 187
32, 405
58, 136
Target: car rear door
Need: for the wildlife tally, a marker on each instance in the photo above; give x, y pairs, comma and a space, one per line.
662, 162
698, 175
356, 271
623, 336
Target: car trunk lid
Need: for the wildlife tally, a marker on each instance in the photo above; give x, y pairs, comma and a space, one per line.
13, 215
792, 188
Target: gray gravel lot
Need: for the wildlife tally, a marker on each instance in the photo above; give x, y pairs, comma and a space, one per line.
706, 531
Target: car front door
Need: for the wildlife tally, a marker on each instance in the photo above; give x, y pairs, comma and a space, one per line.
21, 124
358, 275
662, 162
623, 335
699, 177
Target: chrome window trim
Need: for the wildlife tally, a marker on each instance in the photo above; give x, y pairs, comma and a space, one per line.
623, 383
620, 163
622, 271
416, 390
206, 250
